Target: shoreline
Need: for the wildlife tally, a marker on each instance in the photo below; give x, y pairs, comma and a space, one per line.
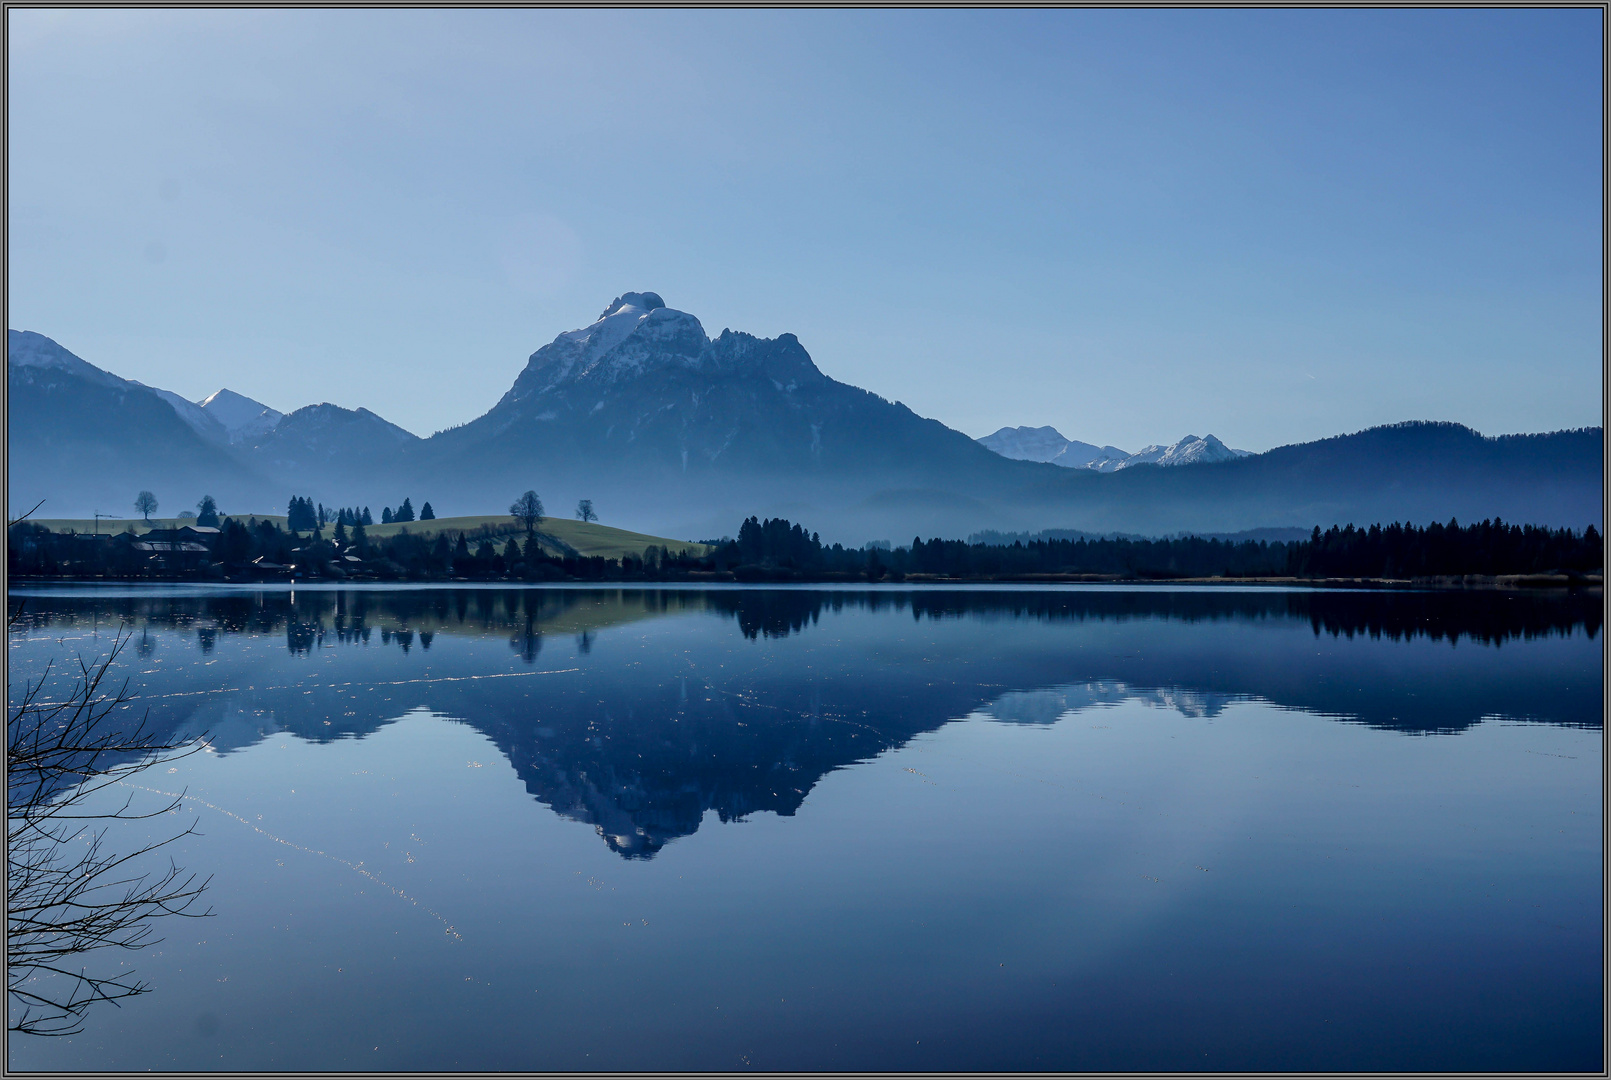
761, 578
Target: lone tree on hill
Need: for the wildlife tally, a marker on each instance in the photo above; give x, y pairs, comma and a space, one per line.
528, 510
207, 512
426, 513
145, 502
584, 510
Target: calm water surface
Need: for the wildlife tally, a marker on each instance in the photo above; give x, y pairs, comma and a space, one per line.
486, 828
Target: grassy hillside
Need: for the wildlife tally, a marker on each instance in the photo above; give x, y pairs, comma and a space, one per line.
588, 538
585, 539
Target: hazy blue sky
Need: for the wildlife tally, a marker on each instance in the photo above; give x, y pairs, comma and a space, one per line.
1272, 226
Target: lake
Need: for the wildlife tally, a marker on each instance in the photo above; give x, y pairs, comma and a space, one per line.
879, 829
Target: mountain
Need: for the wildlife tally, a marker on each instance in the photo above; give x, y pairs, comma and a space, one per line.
653, 420
1048, 444
241, 418
85, 440
202, 423
1026, 443
1188, 451
336, 455
676, 433
1416, 471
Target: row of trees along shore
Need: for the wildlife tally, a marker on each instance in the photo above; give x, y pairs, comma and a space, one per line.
779, 550
302, 515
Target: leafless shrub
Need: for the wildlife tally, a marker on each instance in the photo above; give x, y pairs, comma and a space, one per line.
67, 894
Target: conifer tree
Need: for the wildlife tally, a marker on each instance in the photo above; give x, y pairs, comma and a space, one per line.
207, 512
426, 513
404, 512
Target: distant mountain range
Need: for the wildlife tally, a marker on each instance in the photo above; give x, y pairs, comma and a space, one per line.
1048, 444
671, 431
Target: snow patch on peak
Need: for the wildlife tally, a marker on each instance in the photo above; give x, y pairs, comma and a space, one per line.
1048, 444
240, 416
1188, 451
25, 348
645, 301
636, 332
199, 420
1026, 443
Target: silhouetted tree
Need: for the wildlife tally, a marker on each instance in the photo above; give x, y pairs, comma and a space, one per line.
300, 515
528, 510
207, 512
404, 512
367, 520
145, 502
584, 510
385, 515
426, 513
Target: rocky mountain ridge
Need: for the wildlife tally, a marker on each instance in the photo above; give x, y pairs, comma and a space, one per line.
670, 431
1049, 445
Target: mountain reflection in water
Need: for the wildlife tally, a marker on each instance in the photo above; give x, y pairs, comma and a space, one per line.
641, 742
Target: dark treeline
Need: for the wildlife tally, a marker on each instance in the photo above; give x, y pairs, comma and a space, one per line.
779, 550
1394, 551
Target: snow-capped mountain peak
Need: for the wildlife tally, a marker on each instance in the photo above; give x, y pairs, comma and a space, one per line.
636, 332
1048, 444
1026, 443
1188, 451
643, 301
241, 417
25, 348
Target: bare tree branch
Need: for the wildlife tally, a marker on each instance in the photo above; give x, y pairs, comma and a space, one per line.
67, 895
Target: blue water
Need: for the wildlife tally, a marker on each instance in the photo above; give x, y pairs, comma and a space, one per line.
1083, 829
